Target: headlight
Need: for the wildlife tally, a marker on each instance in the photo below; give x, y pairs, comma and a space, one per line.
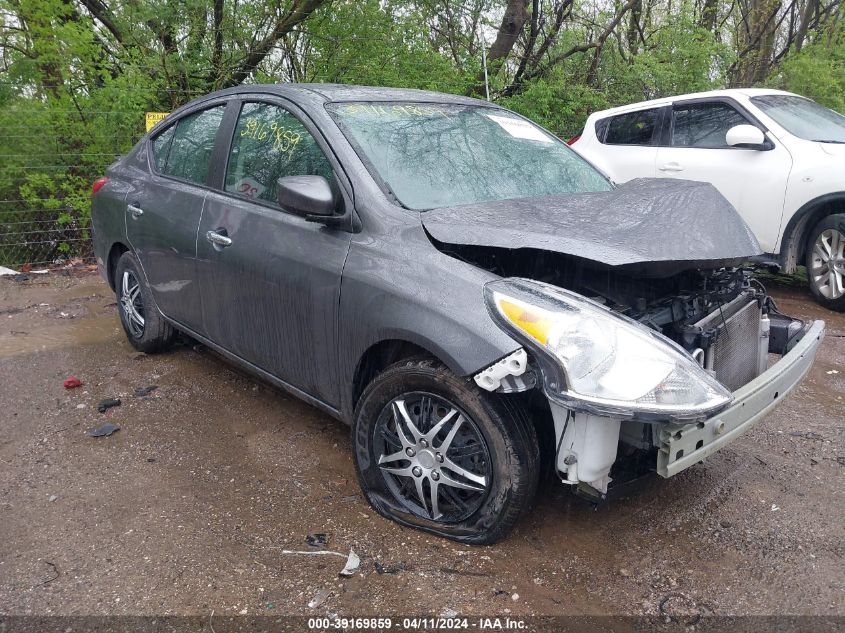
596, 360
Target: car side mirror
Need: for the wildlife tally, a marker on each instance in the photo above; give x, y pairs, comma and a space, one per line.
307, 195
747, 137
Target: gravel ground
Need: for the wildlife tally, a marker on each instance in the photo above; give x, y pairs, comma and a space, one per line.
189, 507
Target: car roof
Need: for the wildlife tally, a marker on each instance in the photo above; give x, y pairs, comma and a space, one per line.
729, 92
310, 92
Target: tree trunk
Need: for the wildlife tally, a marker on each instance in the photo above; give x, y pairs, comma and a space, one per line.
513, 21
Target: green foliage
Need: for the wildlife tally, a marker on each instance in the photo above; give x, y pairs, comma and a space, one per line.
817, 71
559, 107
76, 78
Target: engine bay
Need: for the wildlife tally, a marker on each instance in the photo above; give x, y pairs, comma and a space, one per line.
673, 300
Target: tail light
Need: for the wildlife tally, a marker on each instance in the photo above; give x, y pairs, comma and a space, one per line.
98, 184
573, 140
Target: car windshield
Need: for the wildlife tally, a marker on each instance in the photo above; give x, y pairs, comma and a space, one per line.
803, 118
442, 155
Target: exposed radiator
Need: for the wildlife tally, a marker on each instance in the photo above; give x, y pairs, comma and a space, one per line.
734, 356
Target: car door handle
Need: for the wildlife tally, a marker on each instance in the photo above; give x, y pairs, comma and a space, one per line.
671, 167
218, 239
136, 212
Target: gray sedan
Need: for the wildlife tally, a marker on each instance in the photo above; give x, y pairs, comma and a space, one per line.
478, 302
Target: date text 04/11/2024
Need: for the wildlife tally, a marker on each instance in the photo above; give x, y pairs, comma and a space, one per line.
420, 623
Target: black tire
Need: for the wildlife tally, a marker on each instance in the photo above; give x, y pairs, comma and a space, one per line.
156, 334
817, 269
511, 455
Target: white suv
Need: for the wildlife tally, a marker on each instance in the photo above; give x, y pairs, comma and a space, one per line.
779, 158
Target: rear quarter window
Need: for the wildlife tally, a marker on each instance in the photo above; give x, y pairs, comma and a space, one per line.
601, 128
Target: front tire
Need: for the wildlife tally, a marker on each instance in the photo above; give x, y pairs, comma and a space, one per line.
434, 452
145, 328
826, 262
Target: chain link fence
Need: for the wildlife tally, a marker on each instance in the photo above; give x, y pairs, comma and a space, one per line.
48, 162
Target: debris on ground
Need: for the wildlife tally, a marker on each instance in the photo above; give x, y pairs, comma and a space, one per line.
140, 392
55, 575
52, 498
389, 569
317, 540
832, 372
352, 564
319, 598
107, 404
7, 271
72, 382
352, 560
104, 430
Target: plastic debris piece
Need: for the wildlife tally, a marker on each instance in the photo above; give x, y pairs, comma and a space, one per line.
7, 271
831, 372
316, 540
104, 430
352, 565
389, 569
319, 598
352, 560
72, 382
107, 404
140, 392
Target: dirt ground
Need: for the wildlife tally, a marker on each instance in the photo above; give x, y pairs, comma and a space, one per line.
189, 507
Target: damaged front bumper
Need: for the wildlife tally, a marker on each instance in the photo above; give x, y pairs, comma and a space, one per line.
586, 442
681, 446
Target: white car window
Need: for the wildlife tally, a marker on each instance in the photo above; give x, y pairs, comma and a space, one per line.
703, 125
632, 128
804, 118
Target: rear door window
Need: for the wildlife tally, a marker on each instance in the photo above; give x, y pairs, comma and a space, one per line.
632, 128
703, 125
186, 154
270, 143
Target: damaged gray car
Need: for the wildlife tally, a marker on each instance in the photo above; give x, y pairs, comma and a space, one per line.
479, 303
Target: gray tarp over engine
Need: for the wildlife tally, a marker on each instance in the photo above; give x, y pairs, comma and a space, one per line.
642, 221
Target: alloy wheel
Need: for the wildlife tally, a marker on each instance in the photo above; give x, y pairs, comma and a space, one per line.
433, 457
132, 303
827, 264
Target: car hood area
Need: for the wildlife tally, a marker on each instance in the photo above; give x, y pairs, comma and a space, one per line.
647, 220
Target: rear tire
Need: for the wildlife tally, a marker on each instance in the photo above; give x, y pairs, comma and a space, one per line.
464, 464
145, 328
825, 262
